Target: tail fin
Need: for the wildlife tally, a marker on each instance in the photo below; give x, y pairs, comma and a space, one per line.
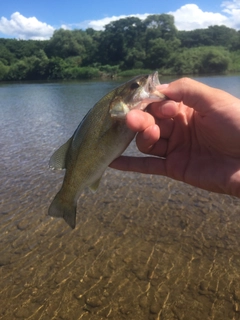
65, 210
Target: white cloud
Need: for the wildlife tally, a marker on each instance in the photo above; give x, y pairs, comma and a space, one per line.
232, 9
230, 6
25, 28
99, 24
65, 27
190, 17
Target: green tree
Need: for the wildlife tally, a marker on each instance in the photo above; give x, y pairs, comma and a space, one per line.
6, 57
3, 71
24, 48
160, 26
66, 43
38, 66
18, 70
235, 44
212, 36
119, 38
135, 58
159, 52
56, 68
222, 36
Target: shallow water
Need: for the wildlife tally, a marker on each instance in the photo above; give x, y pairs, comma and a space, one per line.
144, 247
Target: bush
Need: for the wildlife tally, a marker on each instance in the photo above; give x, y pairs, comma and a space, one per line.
200, 60
215, 61
81, 73
235, 61
110, 70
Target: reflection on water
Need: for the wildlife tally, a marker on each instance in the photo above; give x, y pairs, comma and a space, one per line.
144, 247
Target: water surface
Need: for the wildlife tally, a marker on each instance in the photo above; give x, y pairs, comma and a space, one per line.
144, 247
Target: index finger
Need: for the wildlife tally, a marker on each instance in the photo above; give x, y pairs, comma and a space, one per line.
194, 94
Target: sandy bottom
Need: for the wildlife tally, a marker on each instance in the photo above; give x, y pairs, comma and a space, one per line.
144, 248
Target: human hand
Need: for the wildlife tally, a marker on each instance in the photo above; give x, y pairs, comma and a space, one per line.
194, 137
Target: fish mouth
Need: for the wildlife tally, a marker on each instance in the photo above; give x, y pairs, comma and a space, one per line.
152, 94
150, 87
152, 82
154, 79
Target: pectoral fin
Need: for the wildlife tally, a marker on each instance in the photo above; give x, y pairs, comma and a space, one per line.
58, 159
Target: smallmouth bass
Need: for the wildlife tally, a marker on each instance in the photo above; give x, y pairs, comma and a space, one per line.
101, 137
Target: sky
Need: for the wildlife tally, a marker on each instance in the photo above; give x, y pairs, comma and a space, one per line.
28, 19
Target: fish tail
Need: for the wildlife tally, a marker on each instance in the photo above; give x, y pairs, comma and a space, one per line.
63, 209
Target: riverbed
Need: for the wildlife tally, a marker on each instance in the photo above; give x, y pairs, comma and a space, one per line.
145, 247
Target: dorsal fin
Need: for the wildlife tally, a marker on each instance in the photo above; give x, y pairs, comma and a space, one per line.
58, 159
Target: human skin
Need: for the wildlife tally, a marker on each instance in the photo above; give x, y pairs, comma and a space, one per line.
193, 137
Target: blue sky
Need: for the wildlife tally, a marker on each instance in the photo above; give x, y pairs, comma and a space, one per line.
25, 19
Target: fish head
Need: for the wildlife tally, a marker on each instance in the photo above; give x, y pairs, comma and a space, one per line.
137, 93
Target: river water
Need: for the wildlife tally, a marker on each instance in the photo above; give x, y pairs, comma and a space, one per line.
144, 247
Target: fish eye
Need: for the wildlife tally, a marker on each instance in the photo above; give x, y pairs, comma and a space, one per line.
134, 85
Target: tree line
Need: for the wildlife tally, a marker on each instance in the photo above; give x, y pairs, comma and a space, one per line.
125, 47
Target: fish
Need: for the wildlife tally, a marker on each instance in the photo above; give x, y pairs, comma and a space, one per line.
101, 137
